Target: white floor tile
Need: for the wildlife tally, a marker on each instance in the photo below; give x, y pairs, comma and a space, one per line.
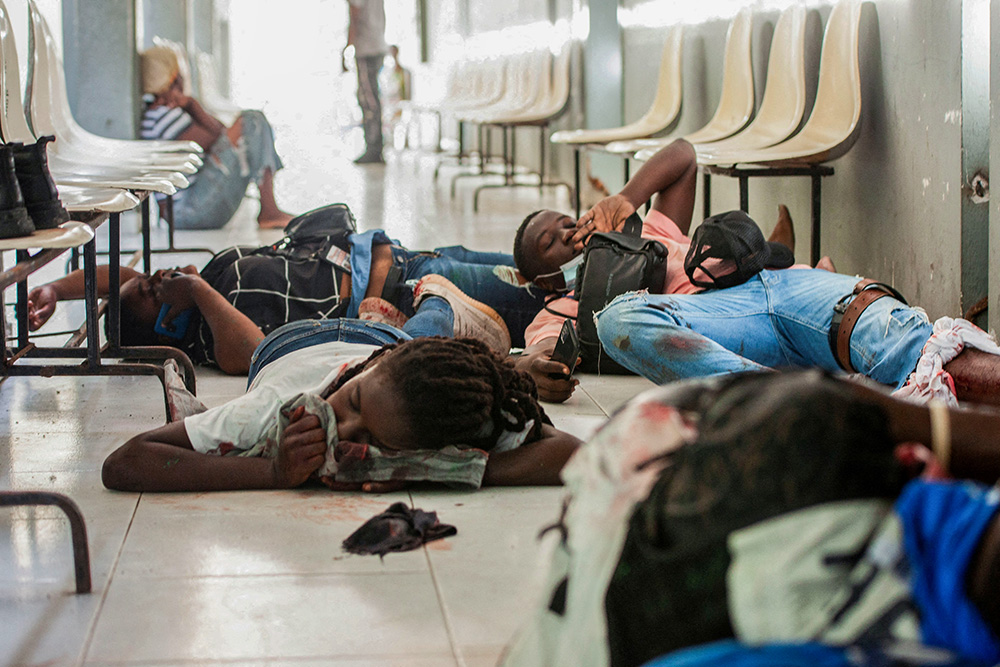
243, 618
271, 532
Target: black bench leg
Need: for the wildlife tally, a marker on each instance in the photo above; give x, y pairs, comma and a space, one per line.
816, 201
147, 262
576, 180
706, 202
78, 528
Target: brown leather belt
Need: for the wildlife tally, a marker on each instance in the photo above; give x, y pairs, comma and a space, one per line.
846, 313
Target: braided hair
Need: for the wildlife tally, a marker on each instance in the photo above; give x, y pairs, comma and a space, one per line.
520, 261
456, 391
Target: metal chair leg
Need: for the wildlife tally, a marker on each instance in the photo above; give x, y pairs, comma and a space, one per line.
814, 252
77, 525
576, 180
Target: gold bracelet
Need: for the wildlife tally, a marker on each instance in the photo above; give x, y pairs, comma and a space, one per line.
941, 433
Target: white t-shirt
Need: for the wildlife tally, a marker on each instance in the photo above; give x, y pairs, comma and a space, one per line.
243, 421
369, 28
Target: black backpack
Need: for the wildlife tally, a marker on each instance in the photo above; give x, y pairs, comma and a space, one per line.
315, 233
613, 263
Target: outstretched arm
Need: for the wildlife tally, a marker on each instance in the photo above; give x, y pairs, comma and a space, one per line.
164, 460
973, 453
235, 334
42, 300
669, 178
534, 463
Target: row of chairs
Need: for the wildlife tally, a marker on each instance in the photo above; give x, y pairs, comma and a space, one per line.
521, 90
98, 178
775, 142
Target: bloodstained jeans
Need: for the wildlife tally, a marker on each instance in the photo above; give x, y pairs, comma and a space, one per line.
776, 319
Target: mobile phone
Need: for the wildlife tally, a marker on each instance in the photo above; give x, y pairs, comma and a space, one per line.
177, 327
567, 350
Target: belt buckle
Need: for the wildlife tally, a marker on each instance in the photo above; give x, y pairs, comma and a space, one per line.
841, 306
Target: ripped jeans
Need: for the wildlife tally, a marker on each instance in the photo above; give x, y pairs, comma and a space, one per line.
776, 319
218, 188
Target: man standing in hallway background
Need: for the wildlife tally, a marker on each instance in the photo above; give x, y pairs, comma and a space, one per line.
366, 33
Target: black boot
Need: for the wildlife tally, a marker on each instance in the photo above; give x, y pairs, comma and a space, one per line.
14, 220
40, 195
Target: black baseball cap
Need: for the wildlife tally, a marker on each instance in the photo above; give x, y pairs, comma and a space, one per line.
728, 249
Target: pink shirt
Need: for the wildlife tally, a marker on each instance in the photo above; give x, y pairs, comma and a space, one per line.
657, 227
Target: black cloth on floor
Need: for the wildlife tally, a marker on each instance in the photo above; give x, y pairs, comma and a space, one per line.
399, 528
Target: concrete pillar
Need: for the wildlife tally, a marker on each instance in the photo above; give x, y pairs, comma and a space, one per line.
602, 83
202, 22
103, 84
166, 19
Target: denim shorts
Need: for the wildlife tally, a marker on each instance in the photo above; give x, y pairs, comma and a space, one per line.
304, 333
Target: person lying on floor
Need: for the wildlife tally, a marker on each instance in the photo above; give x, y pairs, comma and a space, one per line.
547, 240
352, 402
777, 508
234, 155
242, 294
776, 318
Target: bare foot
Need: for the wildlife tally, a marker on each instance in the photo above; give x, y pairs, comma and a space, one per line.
826, 264
274, 220
784, 231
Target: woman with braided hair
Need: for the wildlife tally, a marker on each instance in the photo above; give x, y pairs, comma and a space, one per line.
439, 409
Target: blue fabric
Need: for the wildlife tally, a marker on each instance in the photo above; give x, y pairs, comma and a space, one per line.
942, 525
776, 319
475, 273
434, 318
221, 183
305, 333
361, 264
731, 653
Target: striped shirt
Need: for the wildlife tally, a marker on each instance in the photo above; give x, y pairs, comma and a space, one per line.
163, 122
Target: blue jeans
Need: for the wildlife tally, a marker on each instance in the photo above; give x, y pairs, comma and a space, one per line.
220, 184
776, 319
305, 333
475, 273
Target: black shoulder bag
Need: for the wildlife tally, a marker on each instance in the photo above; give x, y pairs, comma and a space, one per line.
614, 263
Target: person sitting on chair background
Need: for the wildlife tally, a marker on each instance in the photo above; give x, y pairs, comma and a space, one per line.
234, 155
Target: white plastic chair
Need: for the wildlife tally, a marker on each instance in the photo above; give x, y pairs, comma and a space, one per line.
784, 100
521, 86
478, 85
662, 112
736, 101
49, 104
833, 125
50, 114
14, 126
831, 129
106, 200
530, 84
66, 170
554, 102
549, 103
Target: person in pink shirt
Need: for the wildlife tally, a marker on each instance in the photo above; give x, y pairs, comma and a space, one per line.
548, 239
767, 319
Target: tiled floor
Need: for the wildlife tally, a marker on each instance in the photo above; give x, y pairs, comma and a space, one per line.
259, 578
